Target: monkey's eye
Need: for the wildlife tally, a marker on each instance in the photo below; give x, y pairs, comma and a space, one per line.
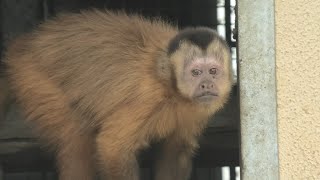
196, 72
213, 71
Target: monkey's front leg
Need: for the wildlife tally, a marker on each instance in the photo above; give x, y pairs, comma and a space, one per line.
175, 160
117, 158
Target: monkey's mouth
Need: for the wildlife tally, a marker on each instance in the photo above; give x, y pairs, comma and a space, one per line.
207, 93
206, 96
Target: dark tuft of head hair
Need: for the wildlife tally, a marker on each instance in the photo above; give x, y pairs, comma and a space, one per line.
200, 37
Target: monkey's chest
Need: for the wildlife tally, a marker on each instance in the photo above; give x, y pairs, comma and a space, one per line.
179, 123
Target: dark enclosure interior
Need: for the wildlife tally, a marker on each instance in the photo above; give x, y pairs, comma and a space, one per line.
21, 157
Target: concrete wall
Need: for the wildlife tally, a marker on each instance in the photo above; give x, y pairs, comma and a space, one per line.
298, 88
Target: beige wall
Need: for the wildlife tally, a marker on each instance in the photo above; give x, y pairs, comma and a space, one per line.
298, 86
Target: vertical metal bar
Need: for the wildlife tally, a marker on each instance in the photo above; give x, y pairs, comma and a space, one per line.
1, 30
1, 173
232, 173
216, 173
45, 9
227, 11
257, 84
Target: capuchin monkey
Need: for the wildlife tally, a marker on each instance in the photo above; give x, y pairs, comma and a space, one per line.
98, 87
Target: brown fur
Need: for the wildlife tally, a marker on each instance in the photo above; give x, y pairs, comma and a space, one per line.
101, 83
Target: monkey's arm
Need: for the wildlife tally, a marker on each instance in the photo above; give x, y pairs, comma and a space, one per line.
175, 159
122, 135
116, 161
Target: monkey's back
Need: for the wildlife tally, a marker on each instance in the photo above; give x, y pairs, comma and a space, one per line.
92, 62
74, 45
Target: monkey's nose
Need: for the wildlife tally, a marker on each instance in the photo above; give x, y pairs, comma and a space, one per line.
206, 86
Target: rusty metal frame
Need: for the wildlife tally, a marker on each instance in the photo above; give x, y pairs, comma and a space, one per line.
257, 90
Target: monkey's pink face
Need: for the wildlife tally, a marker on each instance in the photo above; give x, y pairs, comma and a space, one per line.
203, 77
